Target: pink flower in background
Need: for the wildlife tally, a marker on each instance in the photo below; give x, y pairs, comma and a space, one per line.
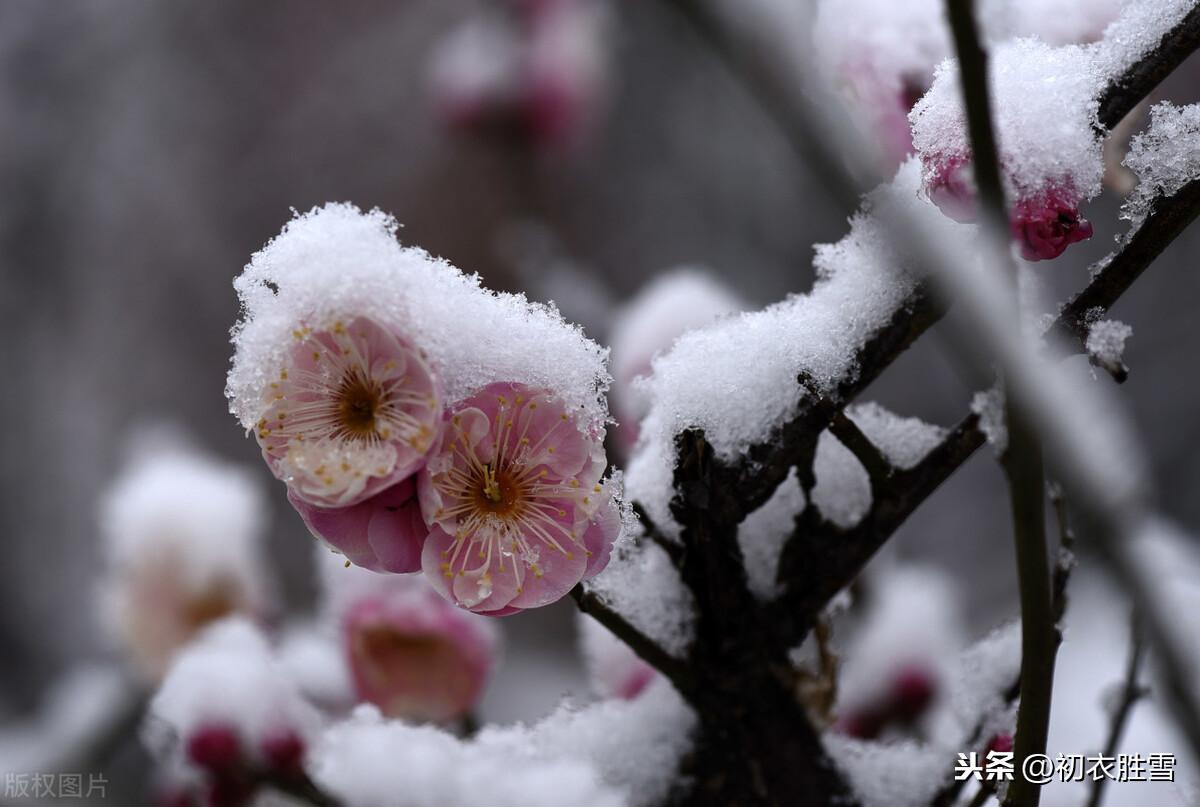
517, 511
909, 694
1043, 228
413, 654
383, 533
539, 75
354, 411
950, 184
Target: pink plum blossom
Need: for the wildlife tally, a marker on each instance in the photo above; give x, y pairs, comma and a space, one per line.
538, 75
353, 412
413, 654
517, 510
383, 533
1043, 225
909, 694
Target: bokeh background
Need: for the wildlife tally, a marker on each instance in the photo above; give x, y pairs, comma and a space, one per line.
147, 149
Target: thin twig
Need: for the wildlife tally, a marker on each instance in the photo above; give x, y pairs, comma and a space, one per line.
649, 650
1023, 459
1131, 693
674, 549
1139, 79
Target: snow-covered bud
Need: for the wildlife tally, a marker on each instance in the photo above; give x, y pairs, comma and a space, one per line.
898, 663
517, 510
409, 651
182, 547
673, 304
224, 711
1044, 227
1050, 152
614, 670
1000, 743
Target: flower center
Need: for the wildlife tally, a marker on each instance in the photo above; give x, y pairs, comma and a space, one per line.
497, 491
358, 401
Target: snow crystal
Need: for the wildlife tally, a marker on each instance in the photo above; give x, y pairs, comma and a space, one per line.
903, 440
228, 676
608, 753
641, 582
1137, 31
989, 405
1106, 342
1165, 158
635, 745
337, 262
672, 304
763, 533
1044, 102
736, 379
371, 762
843, 489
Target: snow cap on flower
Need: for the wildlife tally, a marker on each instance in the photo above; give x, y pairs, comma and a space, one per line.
226, 706
517, 509
614, 670
1044, 105
409, 651
182, 535
398, 334
669, 306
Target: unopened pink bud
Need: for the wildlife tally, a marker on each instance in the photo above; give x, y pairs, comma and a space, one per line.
215, 747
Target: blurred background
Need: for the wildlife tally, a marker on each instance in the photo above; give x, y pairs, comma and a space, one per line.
147, 149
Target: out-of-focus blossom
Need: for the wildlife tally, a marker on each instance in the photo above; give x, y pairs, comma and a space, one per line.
898, 663
352, 413
383, 533
182, 543
517, 509
880, 57
415, 655
540, 73
226, 717
409, 651
908, 695
614, 669
673, 304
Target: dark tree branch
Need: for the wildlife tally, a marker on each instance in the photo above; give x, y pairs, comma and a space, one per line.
1131, 693
299, 786
1140, 78
674, 549
594, 606
1112, 277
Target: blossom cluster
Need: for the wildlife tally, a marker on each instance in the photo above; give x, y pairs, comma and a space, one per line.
537, 70
420, 422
